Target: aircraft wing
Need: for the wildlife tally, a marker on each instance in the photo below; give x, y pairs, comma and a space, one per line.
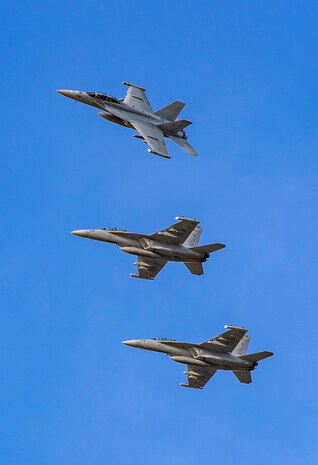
153, 136
198, 377
227, 341
148, 268
136, 98
177, 233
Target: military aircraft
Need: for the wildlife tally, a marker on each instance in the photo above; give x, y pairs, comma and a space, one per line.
134, 111
177, 243
227, 351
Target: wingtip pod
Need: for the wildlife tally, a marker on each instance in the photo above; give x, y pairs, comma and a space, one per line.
129, 84
183, 218
158, 153
134, 275
235, 327
191, 387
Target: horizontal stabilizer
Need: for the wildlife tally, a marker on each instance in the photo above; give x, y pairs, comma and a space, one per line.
194, 267
244, 376
170, 112
257, 356
175, 126
184, 145
208, 248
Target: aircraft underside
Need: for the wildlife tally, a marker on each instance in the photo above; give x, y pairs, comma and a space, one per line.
168, 255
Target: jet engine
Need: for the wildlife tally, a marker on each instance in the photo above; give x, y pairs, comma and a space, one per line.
182, 134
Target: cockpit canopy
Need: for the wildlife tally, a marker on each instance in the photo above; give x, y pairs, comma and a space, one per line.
163, 339
113, 229
105, 97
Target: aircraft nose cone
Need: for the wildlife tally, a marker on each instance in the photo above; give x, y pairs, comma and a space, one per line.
131, 343
73, 94
65, 92
80, 233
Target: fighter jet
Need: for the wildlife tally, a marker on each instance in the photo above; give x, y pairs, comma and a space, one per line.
227, 351
134, 111
177, 243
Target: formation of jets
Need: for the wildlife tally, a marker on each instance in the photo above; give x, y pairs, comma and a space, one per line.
176, 243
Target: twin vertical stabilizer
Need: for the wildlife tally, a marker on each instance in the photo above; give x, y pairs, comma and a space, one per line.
170, 112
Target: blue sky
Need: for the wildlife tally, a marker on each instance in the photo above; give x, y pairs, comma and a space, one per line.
71, 393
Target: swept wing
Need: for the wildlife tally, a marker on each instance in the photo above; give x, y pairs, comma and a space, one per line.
148, 268
198, 376
227, 341
153, 136
136, 98
177, 233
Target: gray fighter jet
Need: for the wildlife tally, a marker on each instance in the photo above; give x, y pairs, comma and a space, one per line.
227, 351
177, 243
134, 111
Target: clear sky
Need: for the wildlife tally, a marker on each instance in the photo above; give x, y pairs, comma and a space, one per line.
71, 393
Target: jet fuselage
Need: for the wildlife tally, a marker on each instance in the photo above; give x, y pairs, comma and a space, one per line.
193, 354
117, 110
144, 246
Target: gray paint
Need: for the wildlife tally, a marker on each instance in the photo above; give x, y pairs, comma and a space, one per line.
134, 111
227, 351
177, 243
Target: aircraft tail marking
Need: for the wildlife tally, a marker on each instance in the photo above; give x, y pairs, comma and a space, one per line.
257, 356
170, 112
208, 248
244, 376
194, 267
242, 346
193, 239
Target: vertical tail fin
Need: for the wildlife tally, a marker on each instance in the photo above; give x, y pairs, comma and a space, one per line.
194, 267
242, 346
244, 376
170, 112
193, 238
